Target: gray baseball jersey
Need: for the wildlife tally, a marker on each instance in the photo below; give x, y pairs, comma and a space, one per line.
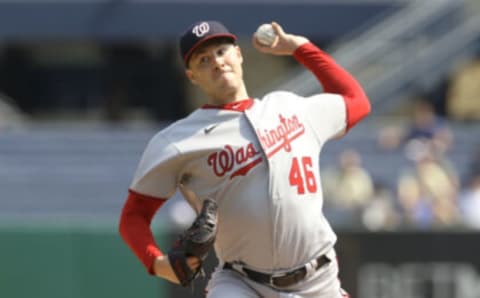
259, 159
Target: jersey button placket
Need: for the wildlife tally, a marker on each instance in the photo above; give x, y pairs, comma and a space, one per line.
270, 162
273, 183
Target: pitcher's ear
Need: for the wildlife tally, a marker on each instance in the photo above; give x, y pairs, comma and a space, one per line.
239, 53
191, 76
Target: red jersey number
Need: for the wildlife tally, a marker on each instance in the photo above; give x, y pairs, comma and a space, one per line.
302, 175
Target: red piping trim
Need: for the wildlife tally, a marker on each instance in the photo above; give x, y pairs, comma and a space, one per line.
238, 105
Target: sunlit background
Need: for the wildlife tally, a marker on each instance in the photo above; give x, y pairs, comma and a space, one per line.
85, 84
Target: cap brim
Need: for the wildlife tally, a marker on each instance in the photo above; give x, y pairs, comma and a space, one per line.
200, 42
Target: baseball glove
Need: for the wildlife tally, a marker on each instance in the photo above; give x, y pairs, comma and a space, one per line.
196, 241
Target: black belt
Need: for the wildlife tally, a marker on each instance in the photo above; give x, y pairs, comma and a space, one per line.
284, 280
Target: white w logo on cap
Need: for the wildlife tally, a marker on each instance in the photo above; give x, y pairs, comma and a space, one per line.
201, 29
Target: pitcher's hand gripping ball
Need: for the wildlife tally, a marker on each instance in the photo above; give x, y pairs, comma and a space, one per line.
196, 241
266, 35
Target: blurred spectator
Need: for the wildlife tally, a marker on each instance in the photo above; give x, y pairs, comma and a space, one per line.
463, 93
427, 193
470, 204
415, 208
348, 188
380, 213
349, 185
425, 126
433, 169
474, 168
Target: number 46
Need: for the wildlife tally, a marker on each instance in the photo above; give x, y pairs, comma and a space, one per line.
303, 176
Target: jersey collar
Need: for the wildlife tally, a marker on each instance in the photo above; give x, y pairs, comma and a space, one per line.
238, 106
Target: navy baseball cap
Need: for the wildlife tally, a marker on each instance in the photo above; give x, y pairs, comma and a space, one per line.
200, 32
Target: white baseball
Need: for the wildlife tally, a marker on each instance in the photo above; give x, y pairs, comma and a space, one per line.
265, 34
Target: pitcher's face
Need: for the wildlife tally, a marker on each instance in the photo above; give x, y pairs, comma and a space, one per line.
217, 69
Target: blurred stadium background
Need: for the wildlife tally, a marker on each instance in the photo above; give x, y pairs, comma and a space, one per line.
85, 84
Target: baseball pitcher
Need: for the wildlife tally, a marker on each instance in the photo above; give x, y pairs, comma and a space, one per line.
249, 167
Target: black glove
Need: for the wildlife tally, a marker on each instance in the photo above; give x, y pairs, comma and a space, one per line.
196, 241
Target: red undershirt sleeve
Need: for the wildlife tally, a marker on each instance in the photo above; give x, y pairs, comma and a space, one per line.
134, 227
335, 79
